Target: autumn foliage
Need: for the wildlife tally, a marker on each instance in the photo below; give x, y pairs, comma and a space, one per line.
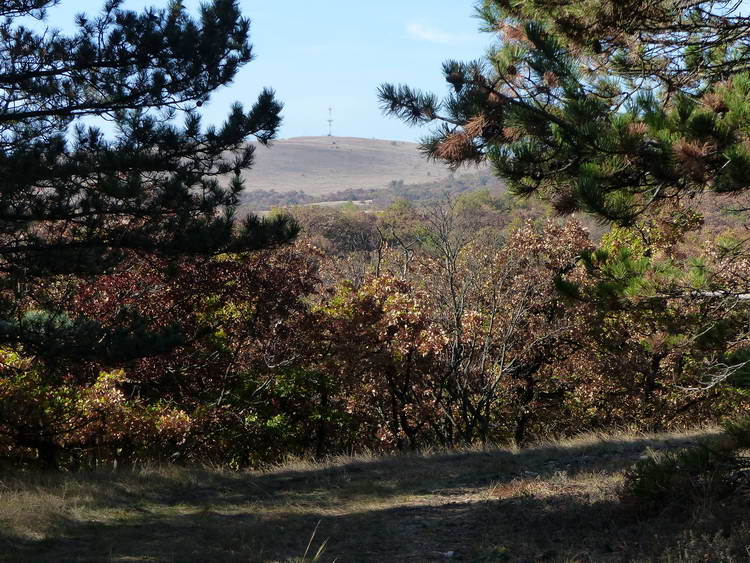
438, 325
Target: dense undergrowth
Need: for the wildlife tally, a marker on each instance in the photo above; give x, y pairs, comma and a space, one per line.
434, 326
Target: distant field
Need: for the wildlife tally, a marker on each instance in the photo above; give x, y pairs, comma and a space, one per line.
321, 165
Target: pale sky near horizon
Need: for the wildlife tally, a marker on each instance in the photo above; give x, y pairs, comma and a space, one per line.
335, 53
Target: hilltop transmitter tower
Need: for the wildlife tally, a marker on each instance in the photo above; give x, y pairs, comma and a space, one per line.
330, 122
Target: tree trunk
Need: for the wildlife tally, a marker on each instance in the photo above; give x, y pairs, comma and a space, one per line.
48, 455
322, 433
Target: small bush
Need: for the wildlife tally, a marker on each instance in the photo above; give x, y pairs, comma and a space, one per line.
711, 470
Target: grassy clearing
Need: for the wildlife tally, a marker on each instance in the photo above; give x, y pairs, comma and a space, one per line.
555, 502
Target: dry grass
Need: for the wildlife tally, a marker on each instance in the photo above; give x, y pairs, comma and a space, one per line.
556, 501
321, 165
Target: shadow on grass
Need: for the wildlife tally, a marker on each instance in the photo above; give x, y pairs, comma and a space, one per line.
408, 508
523, 529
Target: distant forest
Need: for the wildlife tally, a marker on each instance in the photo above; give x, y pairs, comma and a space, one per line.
376, 198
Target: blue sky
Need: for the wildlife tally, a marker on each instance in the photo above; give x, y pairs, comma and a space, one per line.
335, 53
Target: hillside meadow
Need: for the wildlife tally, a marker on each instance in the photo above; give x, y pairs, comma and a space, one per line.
321, 165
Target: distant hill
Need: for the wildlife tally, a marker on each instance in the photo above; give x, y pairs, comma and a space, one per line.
323, 165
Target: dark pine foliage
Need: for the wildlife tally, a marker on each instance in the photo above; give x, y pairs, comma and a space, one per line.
615, 108
75, 201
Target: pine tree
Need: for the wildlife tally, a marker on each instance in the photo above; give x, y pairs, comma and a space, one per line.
616, 108
628, 110
74, 200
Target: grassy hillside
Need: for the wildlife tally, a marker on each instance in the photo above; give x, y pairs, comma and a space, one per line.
552, 502
321, 165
